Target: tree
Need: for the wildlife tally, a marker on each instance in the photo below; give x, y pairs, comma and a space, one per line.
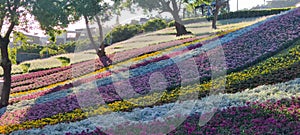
52, 16
95, 10
218, 4
171, 6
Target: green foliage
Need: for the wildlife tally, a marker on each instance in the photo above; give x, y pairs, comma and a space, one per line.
27, 48
12, 52
64, 60
251, 13
232, 15
89, 8
154, 25
124, 32
188, 21
19, 37
47, 52
68, 47
25, 67
51, 13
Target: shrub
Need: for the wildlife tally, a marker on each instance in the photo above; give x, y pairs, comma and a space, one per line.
13, 55
123, 32
64, 60
47, 52
237, 14
69, 47
154, 25
27, 48
25, 67
251, 13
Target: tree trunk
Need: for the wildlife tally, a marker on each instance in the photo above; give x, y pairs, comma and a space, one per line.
202, 11
6, 65
180, 28
183, 13
101, 38
91, 37
214, 23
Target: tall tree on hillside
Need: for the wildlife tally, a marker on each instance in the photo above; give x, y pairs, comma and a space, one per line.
171, 6
218, 5
52, 15
98, 11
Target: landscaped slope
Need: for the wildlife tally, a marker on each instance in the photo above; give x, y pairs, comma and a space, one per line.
252, 56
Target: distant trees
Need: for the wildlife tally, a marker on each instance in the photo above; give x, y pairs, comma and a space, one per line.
95, 10
171, 6
53, 15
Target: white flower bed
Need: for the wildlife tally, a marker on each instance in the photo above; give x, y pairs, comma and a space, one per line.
44, 63
15, 69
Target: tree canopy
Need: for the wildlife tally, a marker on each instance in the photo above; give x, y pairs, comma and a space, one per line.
15, 15
171, 6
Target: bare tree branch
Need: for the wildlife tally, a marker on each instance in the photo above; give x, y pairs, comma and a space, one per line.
1, 24
175, 7
180, 4
13, 15
10, 29
222, 3
98, 20
90, 34
166, 6
9, 8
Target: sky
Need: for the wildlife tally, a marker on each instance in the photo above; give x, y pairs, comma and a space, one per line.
126, 16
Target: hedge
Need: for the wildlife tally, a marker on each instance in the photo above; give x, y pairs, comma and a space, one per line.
124, 32
237, 14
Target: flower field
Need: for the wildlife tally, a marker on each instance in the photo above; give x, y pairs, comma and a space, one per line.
171, 87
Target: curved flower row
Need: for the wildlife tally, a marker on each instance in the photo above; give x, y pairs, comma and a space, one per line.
280, 117
146, 115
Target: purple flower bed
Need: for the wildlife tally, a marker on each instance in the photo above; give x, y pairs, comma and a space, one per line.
280, 117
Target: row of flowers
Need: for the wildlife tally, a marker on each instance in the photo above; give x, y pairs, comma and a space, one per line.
146, 115
280, 117
37, 83
159, 97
